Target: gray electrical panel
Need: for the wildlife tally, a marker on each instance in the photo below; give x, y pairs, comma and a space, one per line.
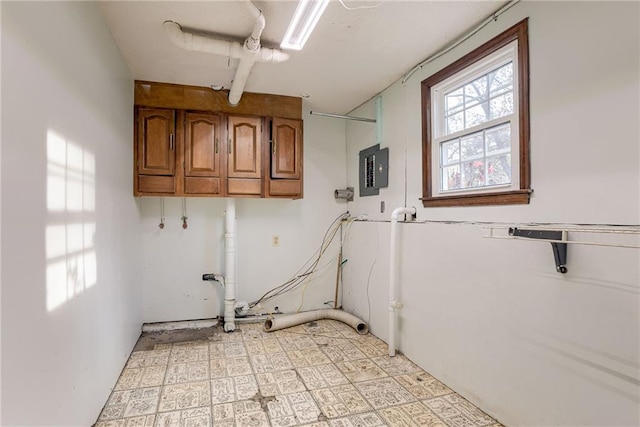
374, 170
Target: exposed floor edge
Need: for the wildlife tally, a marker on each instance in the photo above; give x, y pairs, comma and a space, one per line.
181, 324
201, 323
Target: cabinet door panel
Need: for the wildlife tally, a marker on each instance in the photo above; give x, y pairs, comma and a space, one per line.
202, 145
286, 151
156, 142
244, 147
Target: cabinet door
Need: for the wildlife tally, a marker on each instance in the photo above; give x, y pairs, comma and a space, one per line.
156, 142
286, 148
244, 147
202, 145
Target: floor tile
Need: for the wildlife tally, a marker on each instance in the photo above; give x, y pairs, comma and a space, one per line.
368, 419
340, 401
361, 370
315, 377
187, 372
423, 385
319, 374
293, 409
411, 415
195, 417
185, 396
384, 392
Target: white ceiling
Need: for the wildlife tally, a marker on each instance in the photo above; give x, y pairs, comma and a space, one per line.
351, 56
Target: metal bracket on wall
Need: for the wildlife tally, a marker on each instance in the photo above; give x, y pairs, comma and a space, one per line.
559, 249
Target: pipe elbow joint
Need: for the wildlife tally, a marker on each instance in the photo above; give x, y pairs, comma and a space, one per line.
402, 211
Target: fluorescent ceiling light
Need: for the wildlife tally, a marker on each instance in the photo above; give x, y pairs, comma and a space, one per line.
303, 22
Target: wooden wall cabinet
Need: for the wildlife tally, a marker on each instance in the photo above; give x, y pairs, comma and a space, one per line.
189, 143
245, 150
155, 150
203, 137
285, 158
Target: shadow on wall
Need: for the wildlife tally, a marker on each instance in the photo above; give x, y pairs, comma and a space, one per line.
71, 225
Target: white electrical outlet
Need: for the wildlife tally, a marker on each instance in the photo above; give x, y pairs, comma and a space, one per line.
275, 240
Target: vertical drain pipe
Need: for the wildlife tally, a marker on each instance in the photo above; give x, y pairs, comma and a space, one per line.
230, 266
393, 275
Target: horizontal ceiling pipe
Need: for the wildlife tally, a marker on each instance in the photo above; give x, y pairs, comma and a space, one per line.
248, 52
198, 43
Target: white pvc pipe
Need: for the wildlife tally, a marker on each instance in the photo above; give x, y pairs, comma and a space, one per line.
230, 266
309, 316
242, 74
253, 41
198, 43
393, 275
248, 53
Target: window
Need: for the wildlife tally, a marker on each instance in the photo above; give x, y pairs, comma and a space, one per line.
475, 115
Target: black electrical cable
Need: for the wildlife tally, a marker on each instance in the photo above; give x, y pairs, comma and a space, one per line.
305, 271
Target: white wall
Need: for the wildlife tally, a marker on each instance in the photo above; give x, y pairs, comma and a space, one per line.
492, 318
71, 292
174, 259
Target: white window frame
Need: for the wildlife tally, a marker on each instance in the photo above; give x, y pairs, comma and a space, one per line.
497, 59
464, 69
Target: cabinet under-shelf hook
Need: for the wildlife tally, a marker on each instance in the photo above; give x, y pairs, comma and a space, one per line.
161, 225
184, 213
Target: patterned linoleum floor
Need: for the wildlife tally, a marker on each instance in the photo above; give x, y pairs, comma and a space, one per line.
320, 374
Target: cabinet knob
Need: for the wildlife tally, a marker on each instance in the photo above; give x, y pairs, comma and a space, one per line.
171, 142
275, 145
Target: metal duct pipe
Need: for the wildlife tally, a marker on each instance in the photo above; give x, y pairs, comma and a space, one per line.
393, 275
230, 266
309, 316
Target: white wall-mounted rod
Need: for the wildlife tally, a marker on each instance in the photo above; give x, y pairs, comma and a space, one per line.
575, 242
627, 231
393, 275
614, 229
340, 116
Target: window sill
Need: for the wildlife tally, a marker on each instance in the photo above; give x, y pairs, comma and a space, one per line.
518, 197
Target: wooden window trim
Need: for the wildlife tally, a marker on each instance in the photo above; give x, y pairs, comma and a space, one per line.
518, 32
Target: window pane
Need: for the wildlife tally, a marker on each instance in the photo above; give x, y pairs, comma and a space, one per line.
476, 115
453, 101
499, 170
473, 174
476, 92
498, 139
472, 146
502, 105
450, 152
451, 178
501, 80
455, 123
